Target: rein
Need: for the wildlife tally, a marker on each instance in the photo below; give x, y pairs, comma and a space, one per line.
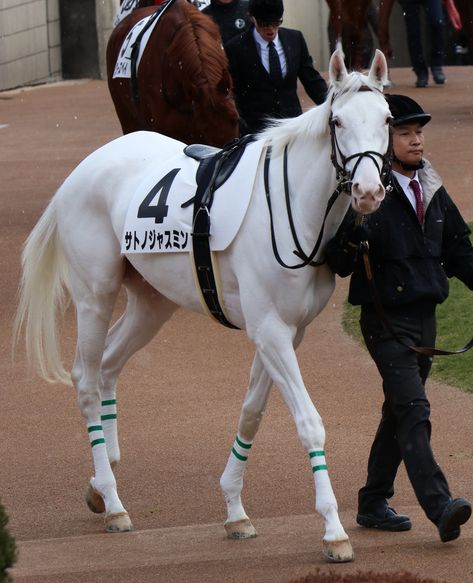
426, 350
306, 259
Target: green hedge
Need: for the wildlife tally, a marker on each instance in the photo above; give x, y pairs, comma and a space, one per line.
8, 551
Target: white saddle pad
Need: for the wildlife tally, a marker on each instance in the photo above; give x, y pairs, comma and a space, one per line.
157, 223
124, 10
123, 64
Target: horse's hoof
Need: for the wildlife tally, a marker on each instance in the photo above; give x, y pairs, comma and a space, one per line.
94, 500
240, 529
338, 551
117, 522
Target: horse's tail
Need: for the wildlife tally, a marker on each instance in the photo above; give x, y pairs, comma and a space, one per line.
42, 293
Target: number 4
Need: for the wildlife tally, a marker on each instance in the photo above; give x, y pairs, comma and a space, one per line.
158, 211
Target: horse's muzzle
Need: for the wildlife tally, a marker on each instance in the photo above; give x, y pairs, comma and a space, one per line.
367, 197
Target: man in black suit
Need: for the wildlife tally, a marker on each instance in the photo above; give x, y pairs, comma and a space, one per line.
265, 63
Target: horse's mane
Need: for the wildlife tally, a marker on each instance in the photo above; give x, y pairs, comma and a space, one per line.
313, 122
196, 62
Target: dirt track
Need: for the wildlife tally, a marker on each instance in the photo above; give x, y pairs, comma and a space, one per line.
179, 402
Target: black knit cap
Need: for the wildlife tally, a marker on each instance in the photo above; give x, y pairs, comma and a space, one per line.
266, 10
406, 110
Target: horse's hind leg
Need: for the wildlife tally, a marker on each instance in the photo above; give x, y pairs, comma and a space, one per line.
146, 311
94, 299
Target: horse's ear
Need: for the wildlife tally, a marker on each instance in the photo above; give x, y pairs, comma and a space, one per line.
337, 70
378, 74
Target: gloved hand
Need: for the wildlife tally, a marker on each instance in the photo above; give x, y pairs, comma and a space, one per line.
357, 234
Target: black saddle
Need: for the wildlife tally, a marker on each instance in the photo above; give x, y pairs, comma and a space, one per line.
215, 167
200, 151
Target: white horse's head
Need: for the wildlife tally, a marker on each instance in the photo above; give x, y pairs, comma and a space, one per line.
360, 126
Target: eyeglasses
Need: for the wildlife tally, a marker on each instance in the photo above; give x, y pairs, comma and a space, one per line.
266, 24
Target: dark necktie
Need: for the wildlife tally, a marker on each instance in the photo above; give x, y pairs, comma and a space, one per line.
419, 203
275, 72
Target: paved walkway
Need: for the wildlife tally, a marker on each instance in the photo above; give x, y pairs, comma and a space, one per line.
180, 397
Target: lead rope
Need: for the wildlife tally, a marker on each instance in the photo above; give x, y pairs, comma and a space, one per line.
426, 350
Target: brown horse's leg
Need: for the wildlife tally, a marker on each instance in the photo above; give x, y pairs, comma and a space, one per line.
334, 27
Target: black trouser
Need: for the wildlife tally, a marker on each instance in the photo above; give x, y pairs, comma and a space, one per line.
404, 430
436, 27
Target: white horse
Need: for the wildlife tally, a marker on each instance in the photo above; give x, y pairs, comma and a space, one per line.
75, 249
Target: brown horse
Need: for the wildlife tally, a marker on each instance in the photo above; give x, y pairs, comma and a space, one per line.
347, 21
183, 86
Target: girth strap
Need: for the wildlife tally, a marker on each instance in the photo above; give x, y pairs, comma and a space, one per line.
212, 173
201, 247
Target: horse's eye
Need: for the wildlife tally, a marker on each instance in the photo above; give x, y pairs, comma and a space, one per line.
337, 122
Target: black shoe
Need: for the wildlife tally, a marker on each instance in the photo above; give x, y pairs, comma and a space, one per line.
422, 79
385, 519
456, 513
438, 75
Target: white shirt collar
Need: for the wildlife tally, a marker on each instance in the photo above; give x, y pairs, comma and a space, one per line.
404, 184
404, 180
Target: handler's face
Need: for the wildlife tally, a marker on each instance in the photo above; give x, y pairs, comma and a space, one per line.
267, 30
408, 144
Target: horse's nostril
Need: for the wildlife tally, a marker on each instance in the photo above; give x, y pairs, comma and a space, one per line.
374, 191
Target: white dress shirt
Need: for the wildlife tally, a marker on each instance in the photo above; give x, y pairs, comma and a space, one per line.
262, 46
404, 184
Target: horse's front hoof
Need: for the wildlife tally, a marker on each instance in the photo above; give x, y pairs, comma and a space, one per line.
117, 522
94, 500
240, 529
338, 551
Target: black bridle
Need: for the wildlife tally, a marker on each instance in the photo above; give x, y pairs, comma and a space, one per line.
344, 179
344, 176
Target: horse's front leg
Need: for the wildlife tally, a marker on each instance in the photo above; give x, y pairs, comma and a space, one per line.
274, 341
238, 525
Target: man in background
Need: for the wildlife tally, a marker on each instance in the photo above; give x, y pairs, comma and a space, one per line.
266, 62
231, 16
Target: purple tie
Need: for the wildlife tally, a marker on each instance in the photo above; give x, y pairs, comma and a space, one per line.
419, 204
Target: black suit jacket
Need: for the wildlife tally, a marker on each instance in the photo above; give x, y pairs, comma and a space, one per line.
255, 95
